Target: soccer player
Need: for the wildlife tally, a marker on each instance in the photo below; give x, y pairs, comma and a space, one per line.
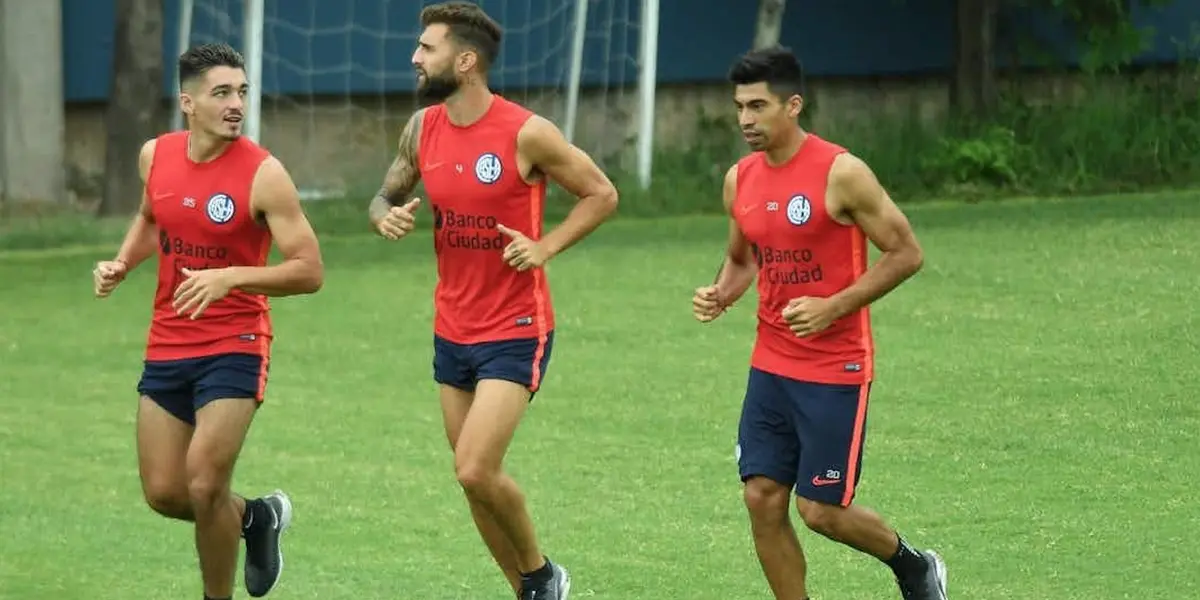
213, 203
485, 162
801, 210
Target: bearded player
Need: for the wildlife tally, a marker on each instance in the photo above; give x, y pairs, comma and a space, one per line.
802, 210
213, 203
485, 162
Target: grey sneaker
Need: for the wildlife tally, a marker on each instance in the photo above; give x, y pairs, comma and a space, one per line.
558, 587
264, 557
930, 585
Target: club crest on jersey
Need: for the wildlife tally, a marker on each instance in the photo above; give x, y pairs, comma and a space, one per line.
488, 168
799, 209
220, 208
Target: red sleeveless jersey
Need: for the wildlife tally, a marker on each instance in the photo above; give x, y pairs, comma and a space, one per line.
802, 251
473, 184
204, 222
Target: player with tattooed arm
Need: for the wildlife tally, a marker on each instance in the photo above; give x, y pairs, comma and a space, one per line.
485, 162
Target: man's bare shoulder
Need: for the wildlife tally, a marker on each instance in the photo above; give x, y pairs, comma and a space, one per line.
272, 173
273, 186
729, 187
849, 169
543, 146
853, 190
410, 134
538, 130
146, 157
850, 175
417, 116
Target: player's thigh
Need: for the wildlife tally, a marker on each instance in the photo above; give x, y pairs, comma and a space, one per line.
522, 361
832, 422
229, 390
456, 403
221, 428
493, 418
162, 445
767, 442
452, 365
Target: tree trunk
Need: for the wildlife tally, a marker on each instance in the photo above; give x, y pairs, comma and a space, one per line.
770, 22
974, 93
135, 101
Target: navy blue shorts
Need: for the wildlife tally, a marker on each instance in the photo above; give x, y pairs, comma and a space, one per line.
806, 435
523, 361
182, 387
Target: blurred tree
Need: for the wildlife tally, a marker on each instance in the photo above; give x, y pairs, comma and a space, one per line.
136, 111
973, 87
1103, 30
770, 23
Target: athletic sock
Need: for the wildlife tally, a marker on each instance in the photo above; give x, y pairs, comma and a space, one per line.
542, 575
207, 597
907, 561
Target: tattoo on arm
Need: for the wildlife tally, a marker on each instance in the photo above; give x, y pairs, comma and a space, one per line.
402, 176
404, 173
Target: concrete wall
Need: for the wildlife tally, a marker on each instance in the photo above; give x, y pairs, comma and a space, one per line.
31, 100
339, 145
338, 87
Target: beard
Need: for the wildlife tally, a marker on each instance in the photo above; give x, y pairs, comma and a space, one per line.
229, 132
437, 88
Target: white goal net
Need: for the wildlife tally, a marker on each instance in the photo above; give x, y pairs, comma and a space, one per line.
337, 80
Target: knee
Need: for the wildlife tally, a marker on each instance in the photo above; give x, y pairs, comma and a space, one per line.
476, 477
766, 500
207, 485
819, 517
167, 497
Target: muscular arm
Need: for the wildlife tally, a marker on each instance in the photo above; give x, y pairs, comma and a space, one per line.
860, 197
543, 145
301, 272
139, 243
738, 270
404, 173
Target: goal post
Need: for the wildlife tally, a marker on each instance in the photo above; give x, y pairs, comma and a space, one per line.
647, 83
331, 82
252, 39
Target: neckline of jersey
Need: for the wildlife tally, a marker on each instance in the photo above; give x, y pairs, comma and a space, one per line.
492, 101
808, 136
187, 153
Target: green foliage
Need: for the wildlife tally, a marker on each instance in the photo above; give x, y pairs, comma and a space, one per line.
1106, 34
1118, 134
991, 158
684, 182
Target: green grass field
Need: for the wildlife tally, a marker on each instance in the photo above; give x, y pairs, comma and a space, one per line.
1035, 420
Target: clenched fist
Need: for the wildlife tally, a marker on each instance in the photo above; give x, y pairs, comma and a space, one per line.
107, 275
807, 315
706, 304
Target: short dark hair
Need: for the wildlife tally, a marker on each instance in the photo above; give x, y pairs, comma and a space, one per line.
468, 25
777, 66
199, 59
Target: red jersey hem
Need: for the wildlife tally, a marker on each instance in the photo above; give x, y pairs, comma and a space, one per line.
860, 378
260, 346
531, 334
